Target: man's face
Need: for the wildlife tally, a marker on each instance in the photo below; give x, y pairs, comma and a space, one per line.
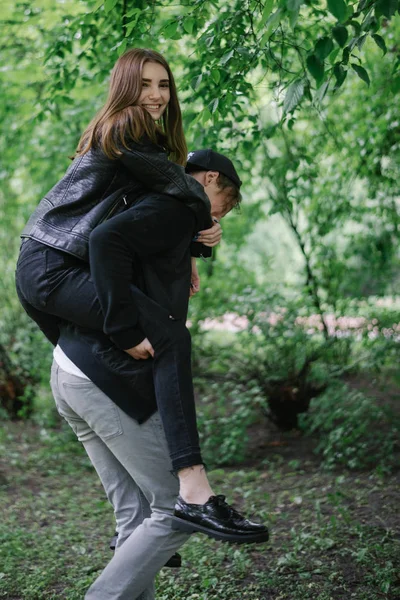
219, 199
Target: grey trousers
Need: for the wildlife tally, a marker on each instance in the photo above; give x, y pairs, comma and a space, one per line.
133, 464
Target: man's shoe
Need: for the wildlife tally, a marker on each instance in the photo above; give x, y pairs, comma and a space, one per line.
113, 541
218, 520
174, 562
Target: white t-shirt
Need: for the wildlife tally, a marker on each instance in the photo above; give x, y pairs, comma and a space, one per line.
66, 364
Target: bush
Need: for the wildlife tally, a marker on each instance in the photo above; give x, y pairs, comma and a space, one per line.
226, 411
354, 431
278, 352
26, 359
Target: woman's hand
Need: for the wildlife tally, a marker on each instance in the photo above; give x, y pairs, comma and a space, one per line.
142, 351
210, 237
195, 279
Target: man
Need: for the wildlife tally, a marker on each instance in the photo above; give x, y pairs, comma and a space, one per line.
108, 400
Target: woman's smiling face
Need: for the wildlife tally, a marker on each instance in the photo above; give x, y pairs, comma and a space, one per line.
155, 90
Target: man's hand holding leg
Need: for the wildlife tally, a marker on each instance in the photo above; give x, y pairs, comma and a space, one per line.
142, 351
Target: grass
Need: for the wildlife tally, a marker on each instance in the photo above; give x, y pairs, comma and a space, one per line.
333, 534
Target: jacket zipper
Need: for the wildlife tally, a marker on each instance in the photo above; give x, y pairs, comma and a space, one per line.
114, 208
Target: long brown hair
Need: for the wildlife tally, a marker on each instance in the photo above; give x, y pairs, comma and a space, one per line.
121, 118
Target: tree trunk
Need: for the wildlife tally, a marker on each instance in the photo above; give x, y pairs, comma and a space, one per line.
13, 384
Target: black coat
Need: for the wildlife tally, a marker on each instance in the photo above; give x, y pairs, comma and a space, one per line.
95, 188
148, 245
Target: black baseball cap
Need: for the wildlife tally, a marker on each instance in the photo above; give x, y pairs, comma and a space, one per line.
208, 160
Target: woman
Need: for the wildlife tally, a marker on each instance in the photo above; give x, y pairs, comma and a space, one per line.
123, 150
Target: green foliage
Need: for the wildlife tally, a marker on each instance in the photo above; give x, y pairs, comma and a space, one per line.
285, 352
278, 86
354, 431
325, 528
226, 411
28, 357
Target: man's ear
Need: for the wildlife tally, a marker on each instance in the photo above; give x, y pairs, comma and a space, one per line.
211, 177
200, 176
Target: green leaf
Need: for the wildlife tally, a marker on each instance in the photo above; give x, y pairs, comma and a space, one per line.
362, 5
213, 105
307, 91
226, 57
131, 25
294, 5
132, 12
243, 51
338, 8
395, 84
323, 48
196, 81
229, 98
386, 8
188, 24
67, 99
109, 5
293, 18
216, 75
346, 55
265, 39
322, 90
196, 119
333, 56
315, 66
267, 10
361, 41
273, 20
340, 34
340, 75
380, 42
97, 5
210, 40
356, 26
171, 29
205, 115
293, 96
122, 47
361, 72
216, 117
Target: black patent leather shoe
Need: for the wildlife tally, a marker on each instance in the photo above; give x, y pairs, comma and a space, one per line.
218, 520
113, 541
174, 562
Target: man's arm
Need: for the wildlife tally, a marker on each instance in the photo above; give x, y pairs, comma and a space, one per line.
153, 226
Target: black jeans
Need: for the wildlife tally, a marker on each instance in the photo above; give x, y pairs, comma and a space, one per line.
51, 282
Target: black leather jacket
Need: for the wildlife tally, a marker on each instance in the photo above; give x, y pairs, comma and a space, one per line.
95, 188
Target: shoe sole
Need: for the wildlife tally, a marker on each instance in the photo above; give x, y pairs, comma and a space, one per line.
179, 524
173, 564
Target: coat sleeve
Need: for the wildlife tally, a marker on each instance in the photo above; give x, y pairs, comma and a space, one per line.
200, 250
150, 228
149, 164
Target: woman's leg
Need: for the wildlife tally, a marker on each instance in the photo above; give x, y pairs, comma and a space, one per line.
48, 324
58, 284
69, 293
63, 288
